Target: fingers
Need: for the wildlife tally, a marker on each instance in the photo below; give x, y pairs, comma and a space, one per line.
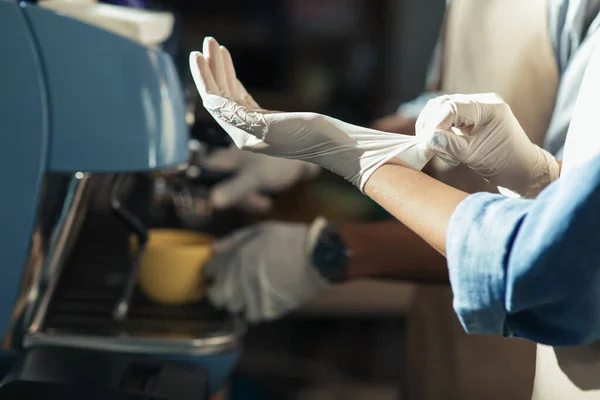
447, 121
231, 77
256, 203
224, 160
234, 190
203, 78
237, 90
214, 73
437, 114
248, 100
448, 145
214, 57
225, 270
459, 110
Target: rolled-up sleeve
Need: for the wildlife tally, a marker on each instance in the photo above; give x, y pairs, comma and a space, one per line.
530, 268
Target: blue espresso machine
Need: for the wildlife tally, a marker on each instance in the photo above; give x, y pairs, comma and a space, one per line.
82, 111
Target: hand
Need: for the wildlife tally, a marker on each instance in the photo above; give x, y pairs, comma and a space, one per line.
482, 132
254, 173
265, 271
348, 150
395, 123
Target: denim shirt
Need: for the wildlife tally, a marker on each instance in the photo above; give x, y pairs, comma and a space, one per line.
530, 268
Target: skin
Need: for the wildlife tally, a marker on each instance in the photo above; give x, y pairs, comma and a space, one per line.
374, 253
422, 203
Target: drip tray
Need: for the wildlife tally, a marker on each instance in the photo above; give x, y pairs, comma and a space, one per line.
80, 310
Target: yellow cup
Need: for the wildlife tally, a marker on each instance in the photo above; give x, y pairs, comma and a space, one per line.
172, 265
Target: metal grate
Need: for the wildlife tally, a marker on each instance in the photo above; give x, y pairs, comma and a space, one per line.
92, 281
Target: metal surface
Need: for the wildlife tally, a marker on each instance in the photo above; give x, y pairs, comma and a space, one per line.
62, 235
78, 304
122, 308
138, 345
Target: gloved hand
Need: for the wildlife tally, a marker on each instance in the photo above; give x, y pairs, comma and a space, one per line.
481, 131
265, 271
254, 173
347, 150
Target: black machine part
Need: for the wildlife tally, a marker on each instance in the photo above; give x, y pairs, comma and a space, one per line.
46, 371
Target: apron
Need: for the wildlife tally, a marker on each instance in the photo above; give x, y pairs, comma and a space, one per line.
503, 46
574, 373
500, 46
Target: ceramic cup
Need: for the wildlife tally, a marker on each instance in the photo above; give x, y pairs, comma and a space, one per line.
172, 265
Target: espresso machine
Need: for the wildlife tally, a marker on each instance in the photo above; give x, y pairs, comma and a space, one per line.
87, 115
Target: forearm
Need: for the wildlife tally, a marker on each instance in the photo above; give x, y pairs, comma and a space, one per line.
374, 253
423, 204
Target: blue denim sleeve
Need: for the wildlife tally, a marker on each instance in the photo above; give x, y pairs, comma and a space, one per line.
530, 268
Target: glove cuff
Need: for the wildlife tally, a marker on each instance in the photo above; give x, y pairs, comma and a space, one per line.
544, 171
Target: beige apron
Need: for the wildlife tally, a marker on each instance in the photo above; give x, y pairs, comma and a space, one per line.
500, 46
574, 373
503, 46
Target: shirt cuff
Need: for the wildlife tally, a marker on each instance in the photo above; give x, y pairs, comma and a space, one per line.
413, 108
478, 243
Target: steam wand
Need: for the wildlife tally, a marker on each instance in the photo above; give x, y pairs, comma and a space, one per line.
122, 308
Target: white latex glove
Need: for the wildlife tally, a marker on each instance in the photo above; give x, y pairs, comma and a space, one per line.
481, 131
347, 150
265, 271
254, 173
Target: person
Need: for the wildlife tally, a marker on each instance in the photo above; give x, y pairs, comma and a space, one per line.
518, 267
535, 76
374, 245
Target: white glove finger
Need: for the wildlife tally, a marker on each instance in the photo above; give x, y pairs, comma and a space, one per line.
248, 100
462, 111
224, 268
203, 78
224, 160
448, 145
256, 203
215, 272
231, 77
216, 296
234, 190
251, 307
231, 296
230, 242
212, 53
236, 89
